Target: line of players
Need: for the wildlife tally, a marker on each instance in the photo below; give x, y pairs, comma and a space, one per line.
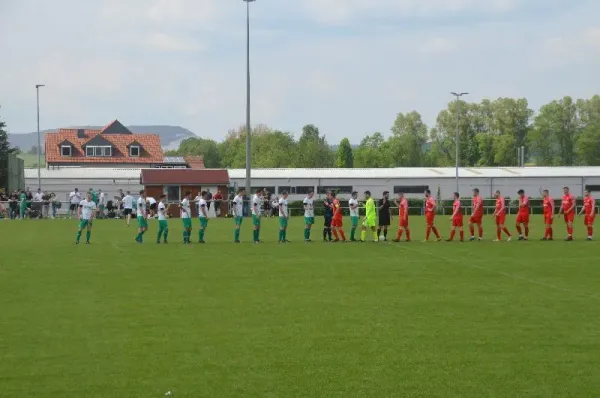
377, 217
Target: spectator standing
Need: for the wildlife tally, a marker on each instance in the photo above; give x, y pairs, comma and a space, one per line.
274, 206
38, 197
209, 198
46, 205
218, 198
128, 207
22, 205
74, 200
29, 197
101, 202
13, 205
55, 203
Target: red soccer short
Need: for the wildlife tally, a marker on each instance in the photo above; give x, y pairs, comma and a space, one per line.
476, 219
457, 221
500, 219
403, 223
523, 218
337, 222
589, 220
569, 217
548, 220
430, 217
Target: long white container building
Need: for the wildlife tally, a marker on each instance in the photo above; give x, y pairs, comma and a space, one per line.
411, 181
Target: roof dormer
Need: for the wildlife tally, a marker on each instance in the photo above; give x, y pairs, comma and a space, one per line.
135, 149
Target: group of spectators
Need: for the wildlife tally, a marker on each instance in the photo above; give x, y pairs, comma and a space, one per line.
23, 204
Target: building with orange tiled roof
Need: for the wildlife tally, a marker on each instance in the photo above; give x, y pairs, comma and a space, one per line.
112, 146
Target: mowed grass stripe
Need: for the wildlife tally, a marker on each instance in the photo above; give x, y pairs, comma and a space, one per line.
438, 319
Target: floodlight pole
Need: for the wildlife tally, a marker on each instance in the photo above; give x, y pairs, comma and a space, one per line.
248, 127
39, 148
457, 95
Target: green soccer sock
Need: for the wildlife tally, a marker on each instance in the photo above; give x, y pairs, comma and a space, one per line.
78, 235
185, 234
284, 234
201, 235
305, 233
165, 233
88, 236
375, 236
138, 237
352, 233
258, 234
236, 234
160, 232
363, 235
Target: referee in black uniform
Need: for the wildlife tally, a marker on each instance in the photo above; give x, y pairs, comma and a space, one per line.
328, 213
383, 207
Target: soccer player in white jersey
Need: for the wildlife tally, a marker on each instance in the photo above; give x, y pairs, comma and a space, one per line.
309, 215
163, 227
186, 217
141, 217
284, 216
238, 213
256, 214
87, 209
128, 207
202, 216
353, 205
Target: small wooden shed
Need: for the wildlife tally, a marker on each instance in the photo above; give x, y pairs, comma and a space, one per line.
175, 182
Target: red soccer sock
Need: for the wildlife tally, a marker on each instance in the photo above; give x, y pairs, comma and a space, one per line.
472, 229
499, 233
427, 232
399, 234
506, 231
590, 231
570, 231
519, 230
480, 231
408, 235
452, 233
335, 234
551, 231
435, 231
526, 231
462, 235
547, 233
342, 234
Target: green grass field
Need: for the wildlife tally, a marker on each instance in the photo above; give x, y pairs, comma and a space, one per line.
118, 319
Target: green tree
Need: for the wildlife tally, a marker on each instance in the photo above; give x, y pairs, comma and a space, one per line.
273, 149
344, 156
587, 146
373, 151
409, 135
313, 150
206, 148
5, 150
444, 134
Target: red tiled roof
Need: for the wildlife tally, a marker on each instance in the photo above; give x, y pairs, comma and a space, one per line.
151, 152
195, 162
184, 177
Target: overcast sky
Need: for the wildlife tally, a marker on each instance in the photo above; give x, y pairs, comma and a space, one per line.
348, 66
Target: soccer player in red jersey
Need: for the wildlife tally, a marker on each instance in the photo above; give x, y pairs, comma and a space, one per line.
457, 219
500, 216
589, 208
567, 207
430, 216
402, 204
337, 223
548, 214
476, 215
523, 215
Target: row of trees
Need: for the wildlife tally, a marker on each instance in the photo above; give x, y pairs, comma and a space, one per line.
5, 150
565, 132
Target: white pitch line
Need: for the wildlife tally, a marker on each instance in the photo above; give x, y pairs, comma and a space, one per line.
505, 274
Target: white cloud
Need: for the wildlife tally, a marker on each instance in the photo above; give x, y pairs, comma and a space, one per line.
439, 45
583, 46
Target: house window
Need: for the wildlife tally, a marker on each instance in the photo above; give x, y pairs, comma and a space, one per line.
303, 190
281, 189
593, 188
342, 189
65, 150
134, 151
172, 192
98, 151
410, 188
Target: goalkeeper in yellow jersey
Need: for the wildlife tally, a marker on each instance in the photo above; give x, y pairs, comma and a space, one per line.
370, 220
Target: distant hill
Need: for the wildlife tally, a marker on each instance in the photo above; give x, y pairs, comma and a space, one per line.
170, 136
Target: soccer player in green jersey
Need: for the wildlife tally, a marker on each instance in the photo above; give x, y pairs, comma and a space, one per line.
202, 215
353, 205
186, 217
163, 227
238, 213
370, 219
87, 209
23, 205
256, 213
309, 215
141, 217
284, 216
